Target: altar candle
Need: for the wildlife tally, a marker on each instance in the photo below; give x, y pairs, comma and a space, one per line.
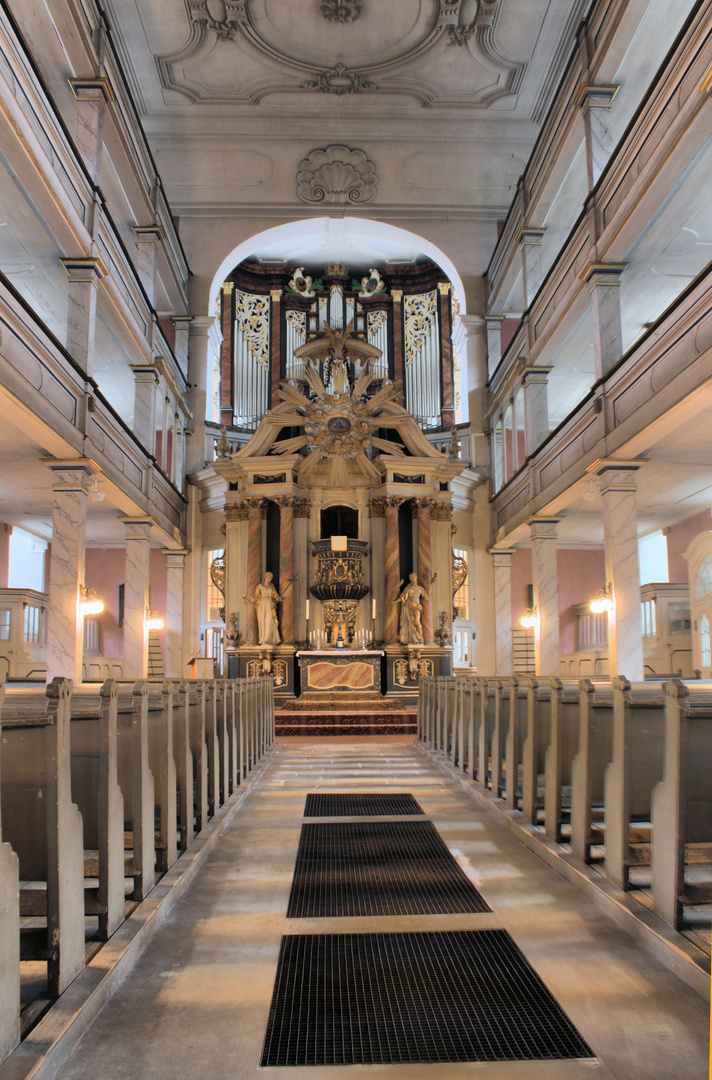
307, 609
373, 608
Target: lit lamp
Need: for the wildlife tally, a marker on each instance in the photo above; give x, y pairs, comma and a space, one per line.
529, 619
153, 620
602, 601
89, 602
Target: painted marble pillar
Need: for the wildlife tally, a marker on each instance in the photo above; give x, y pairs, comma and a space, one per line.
198, 356
493, 325
482, 579
476, 344
84, 277
93, 95
604, 280
546, 595
179, 452
533, 273
175, 565
446, 366
398, 371
620, 534
181, 325
536, 406
65, 627
227, 352
595, 102
148, 237
257, 509
377, 539
392, 570
302, 515
146, 380
286, 567
502, 567
136, 577
424, 566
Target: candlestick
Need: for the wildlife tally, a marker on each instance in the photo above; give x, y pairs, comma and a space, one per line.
307, 610
373, 608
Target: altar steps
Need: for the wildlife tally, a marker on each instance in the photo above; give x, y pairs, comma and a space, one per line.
344, 713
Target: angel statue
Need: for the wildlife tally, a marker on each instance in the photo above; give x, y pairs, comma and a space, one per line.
411, 627
265, 599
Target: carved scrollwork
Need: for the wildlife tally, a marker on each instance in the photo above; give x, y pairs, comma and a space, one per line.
441, 512
419, 312
237, 512
377, 508
252, 314
341, 11
336, 174
339, 80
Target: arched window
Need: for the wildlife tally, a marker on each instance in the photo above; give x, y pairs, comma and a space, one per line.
705, 651
704, 579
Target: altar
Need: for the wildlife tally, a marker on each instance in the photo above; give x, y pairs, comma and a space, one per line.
344, 670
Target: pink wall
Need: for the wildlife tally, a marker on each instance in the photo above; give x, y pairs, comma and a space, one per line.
104, 571
581, 572
507, 331
5, 534
679, 538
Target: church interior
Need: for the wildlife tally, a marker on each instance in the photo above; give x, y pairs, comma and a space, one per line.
356, 538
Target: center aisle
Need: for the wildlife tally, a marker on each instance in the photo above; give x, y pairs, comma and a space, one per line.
196, 1004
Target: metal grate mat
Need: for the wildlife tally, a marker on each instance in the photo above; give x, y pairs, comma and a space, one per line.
378, 868
343, 804
352, 999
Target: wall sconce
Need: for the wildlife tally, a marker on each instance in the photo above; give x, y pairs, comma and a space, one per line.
603, 600
530, 618
89, 602
153, 620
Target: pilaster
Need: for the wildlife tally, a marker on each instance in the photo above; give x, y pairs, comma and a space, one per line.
595, 103
84, 277
136, 577
148, 237
530, 240
200, 330
175, 564
502, 569
476, 344
93, 95
146, 380
536, 406
227, 352
604, 280
546, 594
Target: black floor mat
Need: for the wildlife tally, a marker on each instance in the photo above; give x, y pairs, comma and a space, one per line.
378, 868
351, 999
339, 804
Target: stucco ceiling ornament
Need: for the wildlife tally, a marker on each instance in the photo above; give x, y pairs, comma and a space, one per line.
336, 174
341, 11
339, 80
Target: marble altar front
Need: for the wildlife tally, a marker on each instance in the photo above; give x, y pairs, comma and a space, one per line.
337, 670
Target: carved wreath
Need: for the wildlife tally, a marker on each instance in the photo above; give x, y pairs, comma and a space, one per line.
336, 174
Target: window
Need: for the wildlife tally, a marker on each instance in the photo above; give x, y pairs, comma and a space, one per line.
705, 651
680, 618
497, 455
647, 618
591, 629
704, 579
33, 625
27, 559
653, 559
4, 625
215, 597
461, 601
91, 634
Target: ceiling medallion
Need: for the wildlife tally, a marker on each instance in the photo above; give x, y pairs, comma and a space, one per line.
341, 11
339, 80
336, 174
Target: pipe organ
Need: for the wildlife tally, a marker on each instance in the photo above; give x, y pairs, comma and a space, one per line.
269, 312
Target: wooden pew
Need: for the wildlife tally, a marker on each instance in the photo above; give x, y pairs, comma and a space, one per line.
9, 935
536, 741
197, 694
486, 727
44, 828
137, 785
162, 764
213, 747
514, 741
635, 768
469, 726
589, 766
682, 803
183, 755
563, 746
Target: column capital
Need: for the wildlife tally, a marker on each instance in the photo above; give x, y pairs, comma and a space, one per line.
537, 373
175, 558
528, 234
276, 296
71, 474
84, 269
256, 507
600, 273
202, 324
182, 322
424, 505
377, 508
544, 528
237, 511
473, 324
93, 88
138, 527
145, 373
286, 503
397, 295
617, 475
392, 502
597, 97
502, 556
148, 234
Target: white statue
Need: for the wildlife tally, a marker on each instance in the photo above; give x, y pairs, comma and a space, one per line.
265, 599
411, 626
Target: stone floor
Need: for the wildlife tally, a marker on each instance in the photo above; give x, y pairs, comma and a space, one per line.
196, 1003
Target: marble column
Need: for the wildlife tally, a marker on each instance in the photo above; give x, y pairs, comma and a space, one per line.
198, 358
93, 95
392, 570
181, 324
257, 512
302, 517
482, 578
227, 375
476, 335
84, 277
377, 538
136, 576
286, 567
620, 534
146, 380
536, 406
447, 410
398, 369
546, 595
175, 563
595, 102
502, 567
493, 325
604, 280
533, 273
424, 566
178, 452
65, 627
148, 237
